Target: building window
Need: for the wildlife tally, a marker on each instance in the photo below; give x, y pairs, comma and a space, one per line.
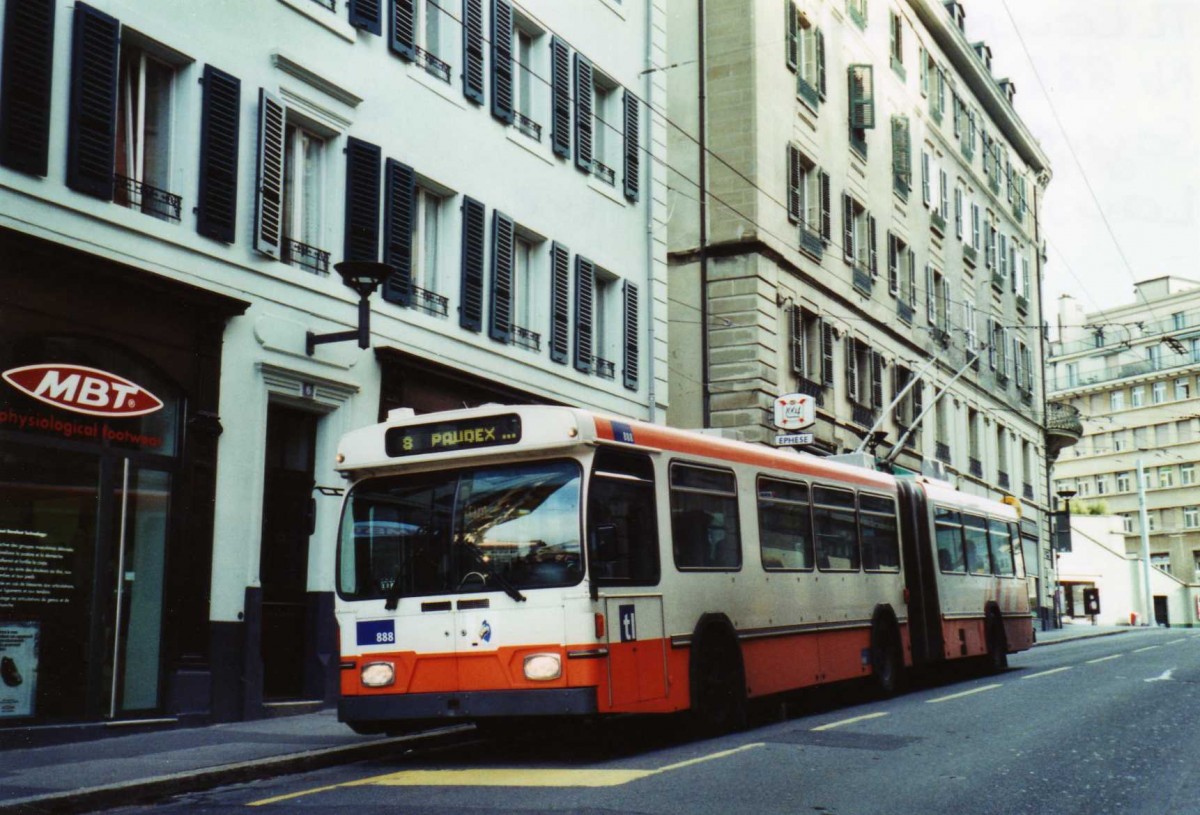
426, 243
529, 288
1154, 357
1102, 485
975, 232
859, 235
1116, 400
1166, 477
862, 104
808, 201
858, 12
896, 27
303, 176
1178, 321
810, 65
809, 353
1158, 393
1123, 481
607, 326
606, 132
1187, 475
528, 89
1127, 523
1196, 566
143, 144
1137, 396
1159, 560
1183, 389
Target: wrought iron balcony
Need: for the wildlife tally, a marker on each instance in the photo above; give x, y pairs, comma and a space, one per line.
997, 281
430, 302
808, 93
604, 173
527, 126
811, 243
975, 467
432, 65
862, 415
1022, 304
1064, 427
863, 282
970, 255
604, 368
858, 143
811, 388
530, 340
905, 311
941, 336
129, 192
1027, 490
937, 223
942, 452
901, 186
307, 257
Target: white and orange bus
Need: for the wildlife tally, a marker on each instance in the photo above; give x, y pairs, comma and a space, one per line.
501, 562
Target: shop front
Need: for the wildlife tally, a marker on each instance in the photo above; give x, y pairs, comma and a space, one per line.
107, 441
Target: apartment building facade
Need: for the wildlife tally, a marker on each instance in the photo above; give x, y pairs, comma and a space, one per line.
856, 206
176, 185
1133, 372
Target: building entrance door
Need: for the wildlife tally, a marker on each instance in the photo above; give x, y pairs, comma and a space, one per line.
288, 514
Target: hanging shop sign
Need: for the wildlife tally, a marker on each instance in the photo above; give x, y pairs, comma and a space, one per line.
83, 390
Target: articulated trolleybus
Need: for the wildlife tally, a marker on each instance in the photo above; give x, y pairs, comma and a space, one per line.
504, 562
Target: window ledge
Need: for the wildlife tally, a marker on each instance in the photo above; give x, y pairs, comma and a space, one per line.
323, 17
450, 93
607, 190
529, 145
615, 7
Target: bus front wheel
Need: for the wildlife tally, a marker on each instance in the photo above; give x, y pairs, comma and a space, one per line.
887, 661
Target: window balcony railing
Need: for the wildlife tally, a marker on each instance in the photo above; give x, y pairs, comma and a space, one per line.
430, 302
129, 192
970, 255
1002, 479
863, 282
1127, 370
604, 368
307, 257
862, 415
327, 4
942, 452
967, 153
905, 312
432, 65
811, 388
1027, 491
604, 173
811, 243
975, 467
529, 340
941, 336
997, 281
858, 143
937, 223
901, 186
808, 93
1022, 304
527, 126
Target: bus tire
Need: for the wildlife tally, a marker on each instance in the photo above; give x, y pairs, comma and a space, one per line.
997, 643
887, 660
718, 683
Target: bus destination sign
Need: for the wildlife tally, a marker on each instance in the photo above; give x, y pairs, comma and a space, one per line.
454, 436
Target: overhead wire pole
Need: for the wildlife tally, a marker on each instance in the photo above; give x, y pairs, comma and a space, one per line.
972, 356
1145, 536
916, 377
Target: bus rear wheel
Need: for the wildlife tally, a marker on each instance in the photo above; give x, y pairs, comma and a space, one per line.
718, 686
997, 644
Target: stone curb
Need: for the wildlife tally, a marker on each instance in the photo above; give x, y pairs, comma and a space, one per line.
146, 790
1091, 635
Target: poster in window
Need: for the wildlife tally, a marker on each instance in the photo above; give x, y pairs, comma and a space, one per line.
18, 668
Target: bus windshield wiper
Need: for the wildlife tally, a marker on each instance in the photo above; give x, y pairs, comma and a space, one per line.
488, 570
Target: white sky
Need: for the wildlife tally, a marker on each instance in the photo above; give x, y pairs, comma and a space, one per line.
1122, 77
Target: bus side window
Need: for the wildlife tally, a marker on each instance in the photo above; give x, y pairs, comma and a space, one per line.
784, 525
880, 537
1001, 546
978, 559
836, 530
705, 530
948, 527
622, 520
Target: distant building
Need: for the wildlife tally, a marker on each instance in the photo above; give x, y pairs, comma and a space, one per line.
1132, 373
853, 197
177, 182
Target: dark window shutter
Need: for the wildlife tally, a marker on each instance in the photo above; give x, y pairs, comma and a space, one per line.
792, 23
501, 326
367, 15
268, 204
363, 165
893, 264
585, 293
583, 113
793, 182
796, 339
470, 313
632, 151
399, 205
402, 34
502, 61
918, 394
631, 335
560, 301
847, 227
826, 207
872, 246
560, 98
826, 354
862, 96
25, 79
876, 379
92, 127
472, 32
820, 62
220, 118
852, 369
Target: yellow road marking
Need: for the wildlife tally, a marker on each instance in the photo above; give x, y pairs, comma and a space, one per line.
1047, 673
960, 695
1147, 648
507, 777
1104, 659
832, 725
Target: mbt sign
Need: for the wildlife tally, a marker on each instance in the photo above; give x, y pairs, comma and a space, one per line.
83, 390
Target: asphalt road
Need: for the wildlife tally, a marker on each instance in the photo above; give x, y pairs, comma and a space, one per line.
1094, 727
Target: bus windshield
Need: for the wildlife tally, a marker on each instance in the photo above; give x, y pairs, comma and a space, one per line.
497, 528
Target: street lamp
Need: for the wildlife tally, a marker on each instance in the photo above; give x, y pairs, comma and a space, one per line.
1145, 536
1062, 530
364, 276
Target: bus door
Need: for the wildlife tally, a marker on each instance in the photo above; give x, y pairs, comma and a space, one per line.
637, 656
920, 574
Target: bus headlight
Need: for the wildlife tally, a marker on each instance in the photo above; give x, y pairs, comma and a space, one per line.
378, 674
543, 667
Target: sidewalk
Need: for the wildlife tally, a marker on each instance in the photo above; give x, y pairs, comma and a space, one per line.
123, 770
81, 776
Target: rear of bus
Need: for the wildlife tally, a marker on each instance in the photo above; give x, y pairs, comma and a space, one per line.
460, 570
